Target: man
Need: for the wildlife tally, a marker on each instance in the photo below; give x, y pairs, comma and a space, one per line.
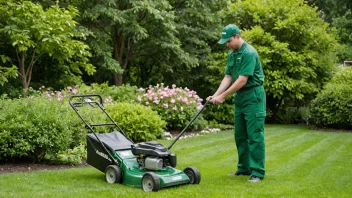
244, 78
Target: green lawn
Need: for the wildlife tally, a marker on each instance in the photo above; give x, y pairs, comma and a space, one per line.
299, 163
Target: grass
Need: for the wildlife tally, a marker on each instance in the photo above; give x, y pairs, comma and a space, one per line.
299, 163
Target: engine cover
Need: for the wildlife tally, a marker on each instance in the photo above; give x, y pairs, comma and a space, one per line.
150, 149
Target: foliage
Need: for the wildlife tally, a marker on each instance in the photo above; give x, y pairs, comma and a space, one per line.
333, 106
33, 32
6, 72
296, 48
122, 93
197, 23
223, 113
30, 128
71, 156
177, 106
293, 115
220, 114
151, 41
339, 14
138, 122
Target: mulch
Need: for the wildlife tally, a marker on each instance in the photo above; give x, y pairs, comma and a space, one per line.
13, 167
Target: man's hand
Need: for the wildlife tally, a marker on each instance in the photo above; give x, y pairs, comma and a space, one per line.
217, 99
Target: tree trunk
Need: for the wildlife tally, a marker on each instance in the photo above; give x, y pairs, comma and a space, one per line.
22, 71
118, 54
23, 75
118, 79
121, 53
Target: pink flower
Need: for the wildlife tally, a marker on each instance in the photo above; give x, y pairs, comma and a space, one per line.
174, 108
74, 91
172, 101
166, 105
58, 93
147, 103
139, 98
185, 100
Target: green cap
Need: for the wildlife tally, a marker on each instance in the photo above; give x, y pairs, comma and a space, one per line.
228, 32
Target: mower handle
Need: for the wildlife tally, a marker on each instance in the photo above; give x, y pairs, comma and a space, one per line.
88, 96
183, 131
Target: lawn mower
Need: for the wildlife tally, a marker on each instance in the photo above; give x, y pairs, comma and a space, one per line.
147, 164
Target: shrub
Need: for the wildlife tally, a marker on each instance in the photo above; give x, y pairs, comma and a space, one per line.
71, 156
123, 93
293, 115
333, 106
222, 114
33, 127
138, 122
177, 106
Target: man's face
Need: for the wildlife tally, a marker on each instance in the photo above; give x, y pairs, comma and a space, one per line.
233, 43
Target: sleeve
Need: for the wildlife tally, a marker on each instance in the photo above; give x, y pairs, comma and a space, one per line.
248, 64
230, 64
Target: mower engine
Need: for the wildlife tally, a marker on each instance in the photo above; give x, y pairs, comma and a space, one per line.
153, 155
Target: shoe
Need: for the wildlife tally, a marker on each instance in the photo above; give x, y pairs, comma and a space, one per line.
254, 179
237, 173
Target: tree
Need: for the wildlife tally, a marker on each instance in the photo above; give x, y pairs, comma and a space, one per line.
339, 14
33, 32
124, 31
145, 42
296, 48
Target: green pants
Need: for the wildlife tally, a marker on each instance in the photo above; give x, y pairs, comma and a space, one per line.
250, 112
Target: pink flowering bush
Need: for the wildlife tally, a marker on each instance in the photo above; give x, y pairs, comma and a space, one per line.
177, 106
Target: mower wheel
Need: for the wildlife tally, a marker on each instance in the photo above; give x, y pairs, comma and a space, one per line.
193, 174
150, 182
113, 174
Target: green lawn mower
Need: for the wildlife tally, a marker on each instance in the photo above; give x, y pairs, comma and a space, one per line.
148, 164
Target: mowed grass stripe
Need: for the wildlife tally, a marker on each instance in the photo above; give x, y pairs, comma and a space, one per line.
209, 153
334, 166
279, 157
290, 160
288, 145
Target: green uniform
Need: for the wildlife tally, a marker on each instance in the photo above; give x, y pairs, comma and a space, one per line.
250, 110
